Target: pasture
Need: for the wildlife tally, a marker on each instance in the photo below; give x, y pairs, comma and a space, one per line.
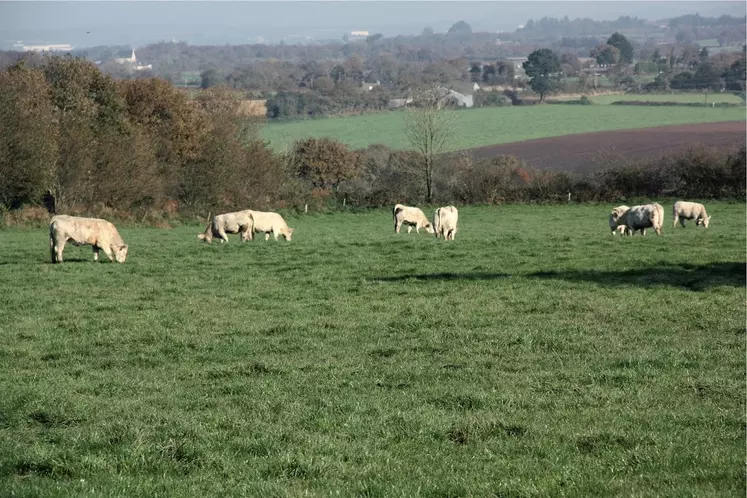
684, 98
535, 355
496, 125
713, 46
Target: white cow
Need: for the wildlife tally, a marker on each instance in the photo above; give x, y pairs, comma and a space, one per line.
412, 217
643, 217
100, 234
268, 223
222, 224
615, 219
445, 222
683, 210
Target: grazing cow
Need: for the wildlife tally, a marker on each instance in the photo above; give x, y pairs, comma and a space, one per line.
615, 219
268, 223
100, 234
445, 222
684, 210
643, 217
412, 217
221, 224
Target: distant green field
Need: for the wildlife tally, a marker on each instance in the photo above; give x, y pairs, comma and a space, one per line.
496, 125
713, 47
667, 97
534, 356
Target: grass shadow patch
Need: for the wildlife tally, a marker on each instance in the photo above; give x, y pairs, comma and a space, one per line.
51, 419
457, 402
691, 277
244, 370
468, 431
448, 276
383, 352
181, 454
291, 469
597, 443
53, 468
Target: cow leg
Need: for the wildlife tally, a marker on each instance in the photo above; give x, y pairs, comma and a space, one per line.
95, 253
682, 221
409, 228
108, 252
267, 235
222, 235
52, 253
643, 232
58, 248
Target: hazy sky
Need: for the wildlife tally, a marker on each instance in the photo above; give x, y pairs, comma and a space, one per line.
139, 22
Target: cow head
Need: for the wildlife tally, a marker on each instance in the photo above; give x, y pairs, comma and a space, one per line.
429, 228
289, 234
207, 235
120, 253
704, 221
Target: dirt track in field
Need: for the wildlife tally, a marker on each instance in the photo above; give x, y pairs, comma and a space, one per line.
578, 152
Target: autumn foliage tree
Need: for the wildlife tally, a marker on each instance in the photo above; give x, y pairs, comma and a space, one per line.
28, 136
71, 132
324, 162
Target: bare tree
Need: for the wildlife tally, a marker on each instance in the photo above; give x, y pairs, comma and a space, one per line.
430, 127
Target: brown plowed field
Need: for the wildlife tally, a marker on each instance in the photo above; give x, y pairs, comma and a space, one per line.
577, 152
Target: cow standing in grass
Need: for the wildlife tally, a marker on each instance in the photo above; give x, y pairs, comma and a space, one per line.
100, 234
412, 217
222, 224
445, 222
616, 216
270, 223
683, 210
643, 217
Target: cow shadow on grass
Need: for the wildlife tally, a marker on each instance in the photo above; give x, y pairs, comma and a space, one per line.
690, 277
443, 276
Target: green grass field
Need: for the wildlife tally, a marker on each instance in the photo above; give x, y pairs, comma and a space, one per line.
535, 355
713, 47
496, 125
729, 98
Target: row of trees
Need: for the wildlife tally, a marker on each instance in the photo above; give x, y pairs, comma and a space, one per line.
72, 132
329, 79
94, 144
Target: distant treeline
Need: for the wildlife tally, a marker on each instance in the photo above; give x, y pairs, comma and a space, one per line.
78, 141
